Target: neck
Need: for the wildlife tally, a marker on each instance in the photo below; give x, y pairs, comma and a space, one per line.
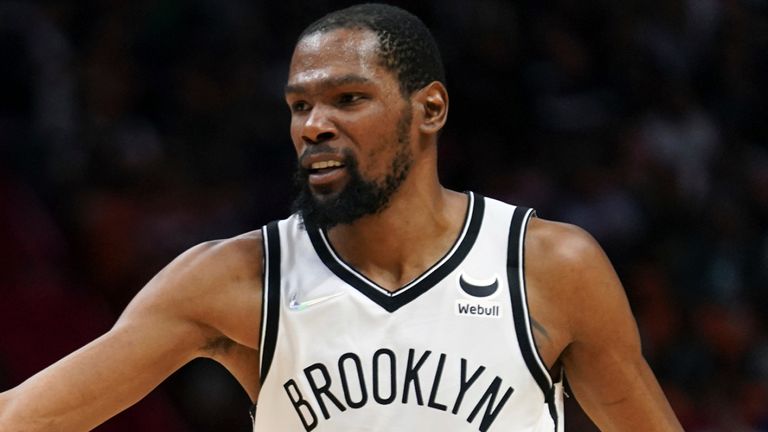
396, 245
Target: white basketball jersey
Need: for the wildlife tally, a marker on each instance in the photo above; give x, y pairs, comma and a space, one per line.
451, 351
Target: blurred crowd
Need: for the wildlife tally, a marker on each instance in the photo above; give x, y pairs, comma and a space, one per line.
132, 130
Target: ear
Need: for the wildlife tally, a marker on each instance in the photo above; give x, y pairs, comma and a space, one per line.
432, 101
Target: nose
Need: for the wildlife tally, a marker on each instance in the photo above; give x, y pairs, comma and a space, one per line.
318, 126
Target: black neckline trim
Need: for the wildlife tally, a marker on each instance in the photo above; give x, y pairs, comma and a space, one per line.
404, 295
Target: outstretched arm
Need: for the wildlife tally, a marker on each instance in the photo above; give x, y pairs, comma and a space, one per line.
601, 352
183, 313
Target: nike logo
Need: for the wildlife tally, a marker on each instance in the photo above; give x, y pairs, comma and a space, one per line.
478, 290
297, 306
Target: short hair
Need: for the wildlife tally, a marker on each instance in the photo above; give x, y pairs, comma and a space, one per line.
406, 47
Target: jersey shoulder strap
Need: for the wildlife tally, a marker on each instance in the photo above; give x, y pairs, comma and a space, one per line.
270, 297
521, 316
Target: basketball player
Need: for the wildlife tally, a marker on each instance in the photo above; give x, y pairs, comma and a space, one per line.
387, 302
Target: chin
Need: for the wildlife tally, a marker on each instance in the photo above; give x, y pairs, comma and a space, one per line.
325, 193
328, 191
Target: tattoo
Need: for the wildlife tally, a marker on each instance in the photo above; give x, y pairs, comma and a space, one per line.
540, 328
219, 345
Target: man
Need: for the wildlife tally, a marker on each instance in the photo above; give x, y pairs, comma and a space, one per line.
387, 302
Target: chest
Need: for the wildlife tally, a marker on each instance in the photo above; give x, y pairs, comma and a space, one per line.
446, 354
452, 344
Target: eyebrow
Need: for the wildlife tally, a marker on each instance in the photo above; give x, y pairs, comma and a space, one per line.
330, 82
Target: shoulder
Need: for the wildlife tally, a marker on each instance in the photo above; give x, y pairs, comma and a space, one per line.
213, 285
570, 270
237, 257
231, 250
556, 257
562, 246
567, 256
216, 262
568, 267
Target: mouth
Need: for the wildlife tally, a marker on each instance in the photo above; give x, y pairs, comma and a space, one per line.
325, 172
326, 166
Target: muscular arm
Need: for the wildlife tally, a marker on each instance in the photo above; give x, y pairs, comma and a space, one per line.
578, 296
190, 309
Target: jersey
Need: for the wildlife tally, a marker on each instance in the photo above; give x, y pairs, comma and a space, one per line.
450, 351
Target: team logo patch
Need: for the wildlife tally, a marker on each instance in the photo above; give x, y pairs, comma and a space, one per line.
479, 291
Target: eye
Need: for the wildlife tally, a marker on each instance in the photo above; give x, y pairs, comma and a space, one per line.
350, 98
299, 106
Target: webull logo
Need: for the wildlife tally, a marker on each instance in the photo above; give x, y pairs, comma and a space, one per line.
477, 295
476, 289
478, 309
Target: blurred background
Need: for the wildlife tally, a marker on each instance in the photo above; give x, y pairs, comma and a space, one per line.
132, 130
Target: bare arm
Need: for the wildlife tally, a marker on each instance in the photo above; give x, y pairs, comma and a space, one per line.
183, 313
600, 346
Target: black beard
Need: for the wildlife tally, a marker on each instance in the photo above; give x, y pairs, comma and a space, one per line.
359, 197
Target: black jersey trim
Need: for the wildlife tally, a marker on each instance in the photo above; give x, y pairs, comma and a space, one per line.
392, 301
270, 306
521, 317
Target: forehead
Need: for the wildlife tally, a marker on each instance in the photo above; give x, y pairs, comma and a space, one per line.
324, 56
